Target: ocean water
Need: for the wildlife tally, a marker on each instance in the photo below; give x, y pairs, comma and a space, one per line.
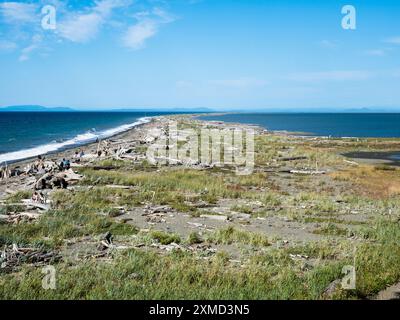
385, 125
28, 134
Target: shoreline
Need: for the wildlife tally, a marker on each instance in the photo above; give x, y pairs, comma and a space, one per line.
368, 157
111, 202
73, 143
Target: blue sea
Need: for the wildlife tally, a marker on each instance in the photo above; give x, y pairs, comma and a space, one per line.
28, 134
384, 125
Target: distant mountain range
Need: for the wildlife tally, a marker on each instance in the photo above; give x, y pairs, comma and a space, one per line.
34, 109
37, 108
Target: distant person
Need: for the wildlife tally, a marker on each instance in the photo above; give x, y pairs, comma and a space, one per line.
61, 165
67, 164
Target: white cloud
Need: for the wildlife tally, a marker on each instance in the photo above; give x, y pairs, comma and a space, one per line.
17, 12
82, 27
393, 40
239, 83
136, 35
79, 26
147, 26
347, 75
105, 7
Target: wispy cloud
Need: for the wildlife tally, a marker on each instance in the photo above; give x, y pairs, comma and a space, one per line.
17, 12
338, 75
84, 26
183, 84
26, 52
393, 40
147, 26
7, 45
376, 52
328, 44
239, 83
80, 27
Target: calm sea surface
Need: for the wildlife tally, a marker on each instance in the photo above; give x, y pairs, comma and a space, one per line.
385, 125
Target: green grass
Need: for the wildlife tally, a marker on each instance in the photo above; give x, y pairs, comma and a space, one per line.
165, 238
18, 196
231, 235
194, 238
331, 229
74, 215
263, 272
140, 275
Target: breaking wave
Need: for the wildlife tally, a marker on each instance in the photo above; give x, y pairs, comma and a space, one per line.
80, 139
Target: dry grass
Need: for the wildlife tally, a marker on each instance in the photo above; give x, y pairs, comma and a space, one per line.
372, 181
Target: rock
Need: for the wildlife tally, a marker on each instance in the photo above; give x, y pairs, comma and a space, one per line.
197, 225
390, 293
160, 209
297, 256
171, 246
113, 186
108, 237
241, 215
134, 276
214, 217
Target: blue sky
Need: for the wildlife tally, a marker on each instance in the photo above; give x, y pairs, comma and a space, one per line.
227, 55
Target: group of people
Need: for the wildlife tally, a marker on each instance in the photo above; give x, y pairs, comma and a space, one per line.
38, 197
65, 164
78, 155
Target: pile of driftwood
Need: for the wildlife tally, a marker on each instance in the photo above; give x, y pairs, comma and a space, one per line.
41, 166
13, 256
19, 217
61, 180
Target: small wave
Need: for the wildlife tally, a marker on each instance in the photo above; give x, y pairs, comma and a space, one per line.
80, 139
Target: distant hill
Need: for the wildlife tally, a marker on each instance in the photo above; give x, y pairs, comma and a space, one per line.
194, 110
34, 109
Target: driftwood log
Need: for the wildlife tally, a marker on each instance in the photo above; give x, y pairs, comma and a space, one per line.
12, 256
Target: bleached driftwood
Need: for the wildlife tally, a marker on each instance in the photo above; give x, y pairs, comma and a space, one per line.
307, 172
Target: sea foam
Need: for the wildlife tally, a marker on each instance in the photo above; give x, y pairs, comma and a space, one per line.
80, 139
